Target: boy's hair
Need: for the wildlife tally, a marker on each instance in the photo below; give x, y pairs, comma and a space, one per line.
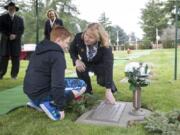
59, 32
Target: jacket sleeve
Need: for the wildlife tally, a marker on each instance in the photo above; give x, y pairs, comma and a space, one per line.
61, 22
57, 79
108, 62
46, 30
1, 24
20, 29
74, 50
2, 27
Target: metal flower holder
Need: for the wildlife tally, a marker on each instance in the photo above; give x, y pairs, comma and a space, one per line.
137, 78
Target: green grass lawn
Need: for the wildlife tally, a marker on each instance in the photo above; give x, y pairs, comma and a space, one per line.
163, 94
7, 82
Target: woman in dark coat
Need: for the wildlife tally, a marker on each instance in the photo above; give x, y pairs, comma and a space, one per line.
52, 20
11, 29
90, 52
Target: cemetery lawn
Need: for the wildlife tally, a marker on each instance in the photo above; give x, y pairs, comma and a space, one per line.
163, 94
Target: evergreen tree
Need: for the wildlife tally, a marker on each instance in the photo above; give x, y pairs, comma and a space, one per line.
64, 8
170, 9
153, 17
104, 21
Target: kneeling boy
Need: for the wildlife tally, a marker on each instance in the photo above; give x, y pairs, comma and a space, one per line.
44, 80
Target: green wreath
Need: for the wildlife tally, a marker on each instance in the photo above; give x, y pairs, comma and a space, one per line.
136, 80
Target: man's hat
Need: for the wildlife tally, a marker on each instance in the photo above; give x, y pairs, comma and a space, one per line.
11, 4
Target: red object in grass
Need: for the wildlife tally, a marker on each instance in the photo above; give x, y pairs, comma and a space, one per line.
128, 51
78, 98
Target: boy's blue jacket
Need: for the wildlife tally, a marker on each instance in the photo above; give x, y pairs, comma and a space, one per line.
45, 73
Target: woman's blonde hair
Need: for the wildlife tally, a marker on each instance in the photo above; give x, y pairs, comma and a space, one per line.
53, 11
99, 32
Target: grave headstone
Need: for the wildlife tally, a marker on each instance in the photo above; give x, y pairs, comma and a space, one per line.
113, 115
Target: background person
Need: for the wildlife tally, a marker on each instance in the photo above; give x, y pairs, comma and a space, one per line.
11, 29
52, 20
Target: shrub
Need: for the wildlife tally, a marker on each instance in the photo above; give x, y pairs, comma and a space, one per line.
168, 44
82, 104
165, 124
146, 44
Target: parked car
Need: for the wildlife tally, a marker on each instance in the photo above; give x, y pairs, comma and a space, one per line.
26, 51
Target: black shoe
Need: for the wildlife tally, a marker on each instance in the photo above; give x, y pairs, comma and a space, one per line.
113, 88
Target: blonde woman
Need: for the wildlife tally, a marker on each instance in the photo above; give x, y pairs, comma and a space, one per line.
90, 52
52, 21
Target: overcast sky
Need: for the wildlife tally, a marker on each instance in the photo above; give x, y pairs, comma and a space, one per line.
125, 13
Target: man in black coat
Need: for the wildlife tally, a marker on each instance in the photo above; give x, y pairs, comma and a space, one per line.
11, 29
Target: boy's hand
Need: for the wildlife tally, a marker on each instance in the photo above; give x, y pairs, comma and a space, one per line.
62, 114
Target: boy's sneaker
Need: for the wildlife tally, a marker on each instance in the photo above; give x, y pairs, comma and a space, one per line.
32, 105
50, 110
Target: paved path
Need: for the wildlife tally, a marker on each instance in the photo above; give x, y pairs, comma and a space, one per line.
132, 56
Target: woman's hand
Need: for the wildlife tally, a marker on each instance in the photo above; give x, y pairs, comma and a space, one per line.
62, 114
109, 97
80, 66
